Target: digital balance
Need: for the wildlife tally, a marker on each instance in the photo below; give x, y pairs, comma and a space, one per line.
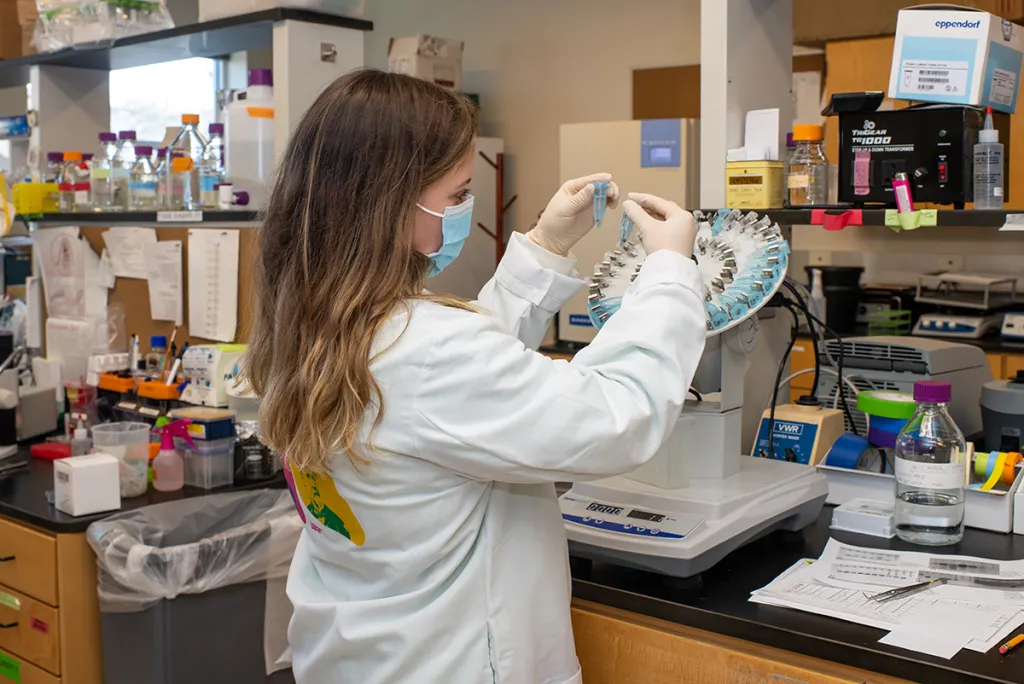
698, 499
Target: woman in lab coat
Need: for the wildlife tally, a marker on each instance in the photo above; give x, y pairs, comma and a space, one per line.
422, 435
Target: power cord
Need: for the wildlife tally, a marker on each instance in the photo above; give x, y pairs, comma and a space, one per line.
800, 306
784, 303
839, 367
802, 303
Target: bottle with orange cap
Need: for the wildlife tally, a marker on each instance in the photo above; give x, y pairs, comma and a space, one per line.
68, 181
182, 195
807, 180
187, 145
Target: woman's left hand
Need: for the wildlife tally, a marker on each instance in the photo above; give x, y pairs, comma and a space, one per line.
569, 215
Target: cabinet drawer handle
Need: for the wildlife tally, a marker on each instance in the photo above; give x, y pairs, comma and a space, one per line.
8, 625
6, 559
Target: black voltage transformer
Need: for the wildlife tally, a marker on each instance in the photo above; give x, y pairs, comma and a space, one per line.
932, 144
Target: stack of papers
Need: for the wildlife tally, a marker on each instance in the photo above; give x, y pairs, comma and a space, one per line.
979, 607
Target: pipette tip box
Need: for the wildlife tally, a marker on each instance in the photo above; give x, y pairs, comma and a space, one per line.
866, 516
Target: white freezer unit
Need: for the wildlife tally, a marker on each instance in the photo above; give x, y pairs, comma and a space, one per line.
660, 157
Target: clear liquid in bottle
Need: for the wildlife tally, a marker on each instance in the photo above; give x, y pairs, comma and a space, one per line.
930, 471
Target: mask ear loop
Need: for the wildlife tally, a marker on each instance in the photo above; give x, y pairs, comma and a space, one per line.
432, 213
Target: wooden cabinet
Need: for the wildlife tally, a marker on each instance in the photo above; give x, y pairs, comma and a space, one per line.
28, 561
49, 611
998, 365
616, 647
29, 628
1013, 363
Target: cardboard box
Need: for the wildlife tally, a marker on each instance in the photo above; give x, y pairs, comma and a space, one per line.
10, 30
816, 22
428, 57
83, 485
957, 57
28, 34
28, 13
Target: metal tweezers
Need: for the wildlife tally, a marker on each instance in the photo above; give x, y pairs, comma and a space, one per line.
903, 592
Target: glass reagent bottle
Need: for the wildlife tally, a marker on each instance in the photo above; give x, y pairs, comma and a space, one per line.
930, 471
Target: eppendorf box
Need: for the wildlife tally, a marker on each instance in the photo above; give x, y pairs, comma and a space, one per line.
956, 57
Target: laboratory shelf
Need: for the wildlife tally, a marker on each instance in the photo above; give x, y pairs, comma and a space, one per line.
134, 218
208, 39
959, 218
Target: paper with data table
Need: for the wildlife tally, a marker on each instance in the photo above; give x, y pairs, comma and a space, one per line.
213, 283
840, 585
968, 578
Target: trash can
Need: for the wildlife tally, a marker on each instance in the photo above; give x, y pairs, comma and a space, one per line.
193, 590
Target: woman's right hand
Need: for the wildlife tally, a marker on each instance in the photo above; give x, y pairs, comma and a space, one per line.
661, 224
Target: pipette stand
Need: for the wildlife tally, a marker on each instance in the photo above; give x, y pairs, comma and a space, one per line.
698, 499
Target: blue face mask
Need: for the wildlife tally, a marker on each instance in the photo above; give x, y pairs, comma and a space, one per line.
456, 223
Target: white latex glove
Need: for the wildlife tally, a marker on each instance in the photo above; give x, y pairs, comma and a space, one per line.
570, 214
661, 224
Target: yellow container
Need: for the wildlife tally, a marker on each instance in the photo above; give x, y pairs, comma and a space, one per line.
31, 199
754, 184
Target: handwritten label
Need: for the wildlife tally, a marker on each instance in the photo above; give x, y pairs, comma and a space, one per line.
929, 475
40, 626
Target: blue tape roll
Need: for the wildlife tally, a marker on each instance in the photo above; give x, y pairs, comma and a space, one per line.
890, 425
847, 451
884, 431
881, 438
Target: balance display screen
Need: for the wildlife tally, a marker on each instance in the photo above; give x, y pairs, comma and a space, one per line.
604, 508
645, 515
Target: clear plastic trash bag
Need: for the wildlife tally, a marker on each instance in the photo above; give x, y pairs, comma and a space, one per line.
193, 546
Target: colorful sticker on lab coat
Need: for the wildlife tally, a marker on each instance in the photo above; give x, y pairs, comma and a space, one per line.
316, 495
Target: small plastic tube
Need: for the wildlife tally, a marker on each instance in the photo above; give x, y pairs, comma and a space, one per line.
716, 317
600, 201
625, 230
733, 306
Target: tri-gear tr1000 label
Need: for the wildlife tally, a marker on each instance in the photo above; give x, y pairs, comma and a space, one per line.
869, 137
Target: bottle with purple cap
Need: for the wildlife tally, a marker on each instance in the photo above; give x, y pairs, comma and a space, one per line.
931, 471
121, 169
54, 167
101, 184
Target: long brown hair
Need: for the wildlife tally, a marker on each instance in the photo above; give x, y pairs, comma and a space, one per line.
336, 256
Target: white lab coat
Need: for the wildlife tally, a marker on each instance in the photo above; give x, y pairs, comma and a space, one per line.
462, 573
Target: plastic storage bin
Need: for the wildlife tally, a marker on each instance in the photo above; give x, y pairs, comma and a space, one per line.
218, 9
193, 590
210, 464
129, 444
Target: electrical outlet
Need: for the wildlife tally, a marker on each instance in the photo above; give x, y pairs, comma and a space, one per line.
950, 262
819, 258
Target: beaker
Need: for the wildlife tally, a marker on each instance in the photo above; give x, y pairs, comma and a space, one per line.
129, 444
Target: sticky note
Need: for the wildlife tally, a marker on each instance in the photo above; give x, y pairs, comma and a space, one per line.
9, 601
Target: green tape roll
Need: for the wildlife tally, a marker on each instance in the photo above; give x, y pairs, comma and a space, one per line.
886, 404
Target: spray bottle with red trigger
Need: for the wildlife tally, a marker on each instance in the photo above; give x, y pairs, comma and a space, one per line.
169, 466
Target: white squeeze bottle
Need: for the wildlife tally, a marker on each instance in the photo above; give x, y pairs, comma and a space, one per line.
988, 167
169, 466
249, 137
